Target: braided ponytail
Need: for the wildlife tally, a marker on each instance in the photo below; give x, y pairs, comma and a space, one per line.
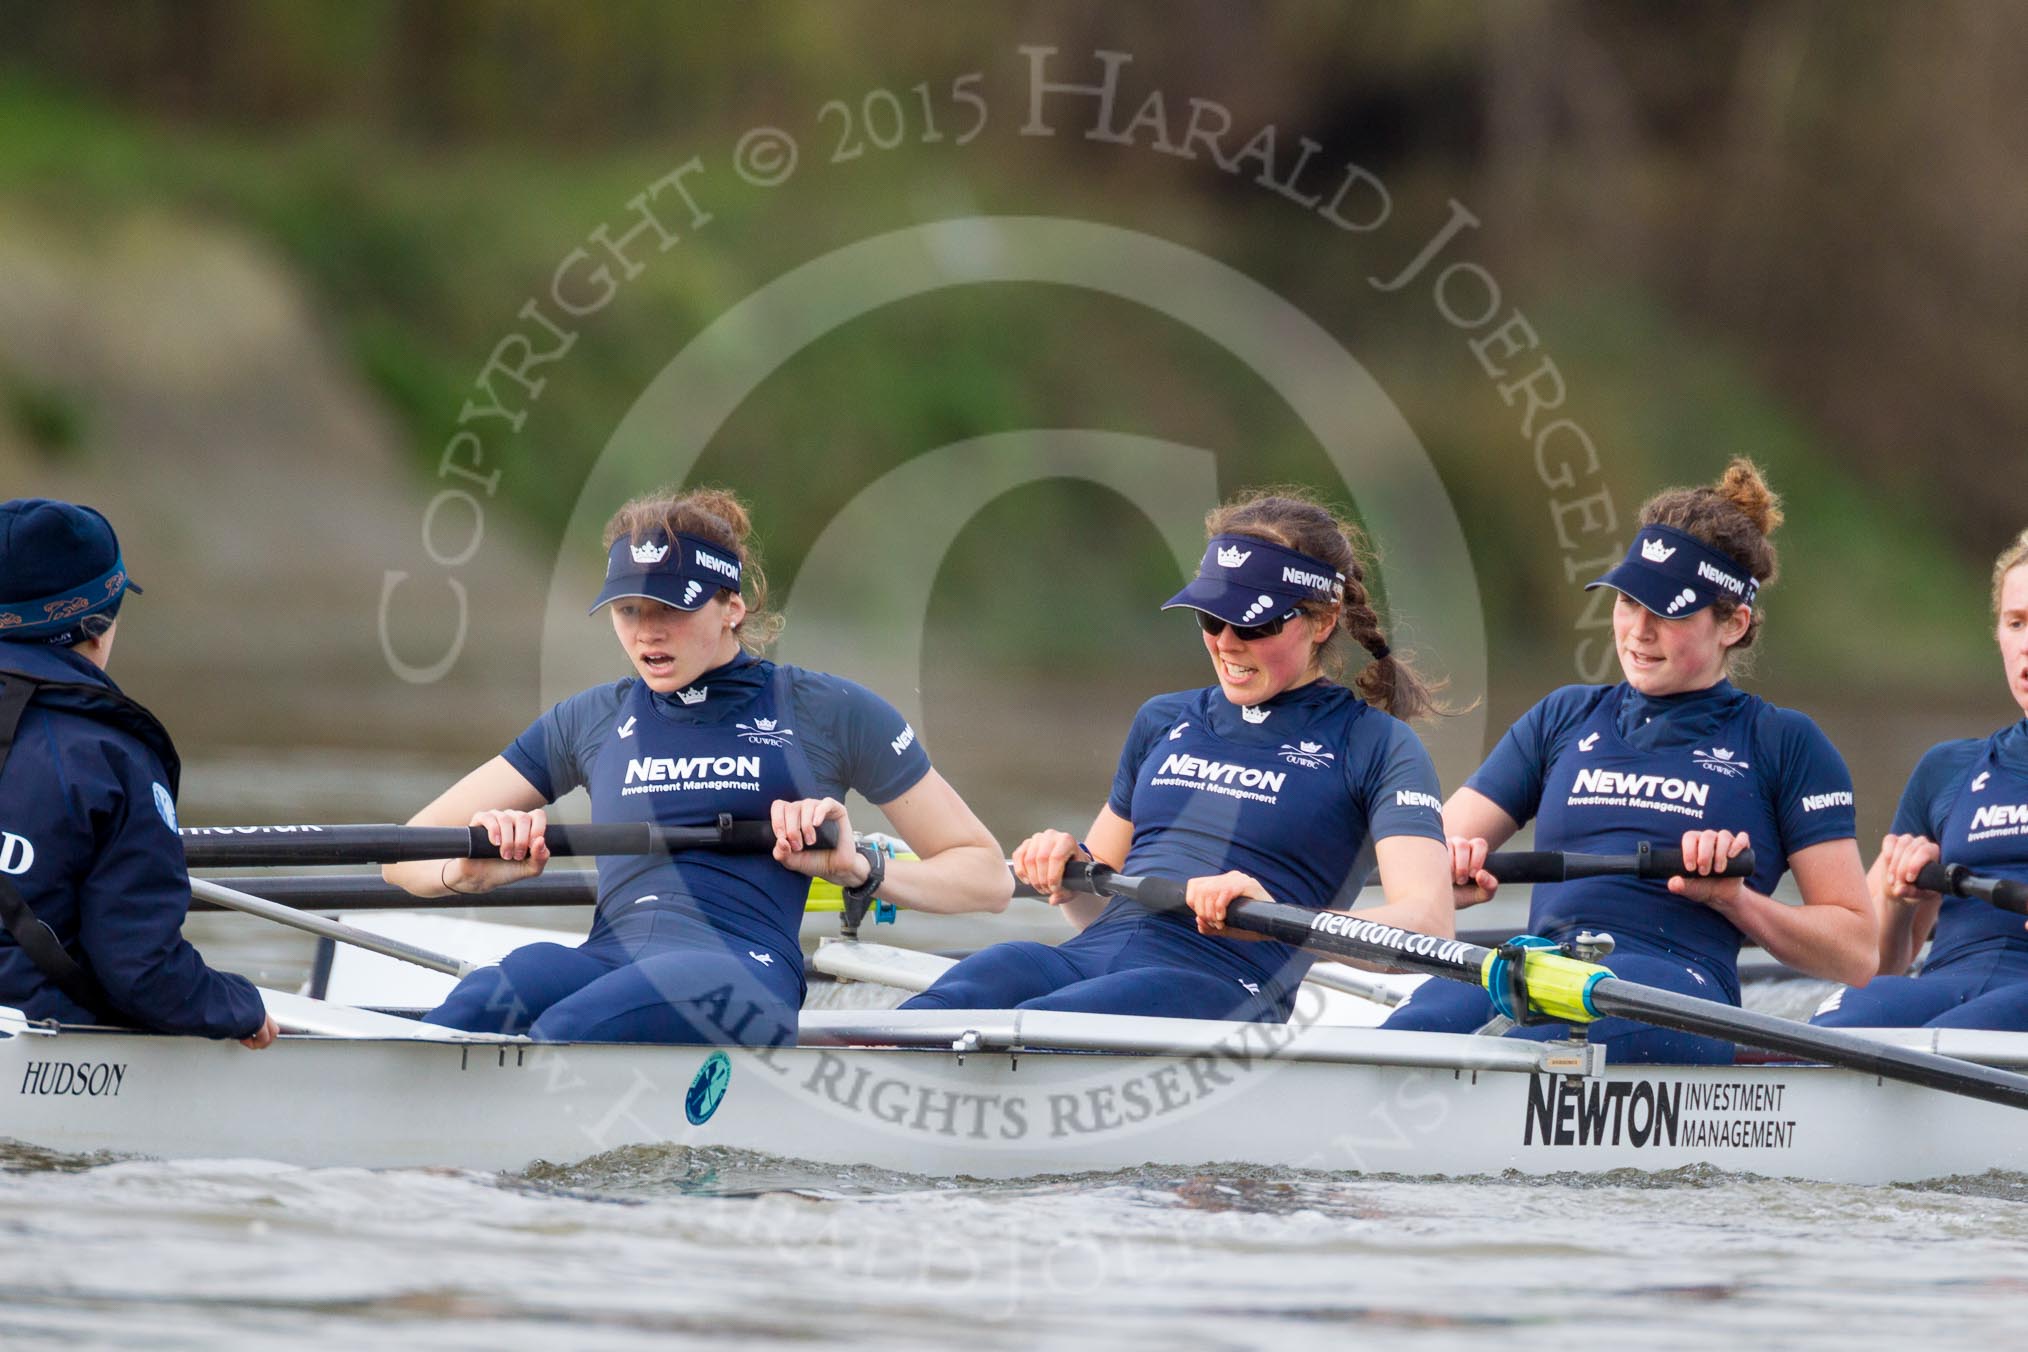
1290, 517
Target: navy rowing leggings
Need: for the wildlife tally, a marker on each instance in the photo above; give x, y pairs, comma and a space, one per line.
1125, 967
600, 992
1979, 990
1439, 1006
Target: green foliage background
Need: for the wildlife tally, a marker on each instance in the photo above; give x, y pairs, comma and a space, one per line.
1734, 227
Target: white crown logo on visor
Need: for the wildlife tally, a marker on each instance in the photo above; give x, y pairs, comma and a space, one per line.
1232, 556
650, 553
1683, 599
1654, 551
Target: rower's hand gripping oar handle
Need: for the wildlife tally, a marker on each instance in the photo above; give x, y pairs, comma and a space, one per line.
1508, 866
1647, 861
1518, 866
733, 837
1955, 880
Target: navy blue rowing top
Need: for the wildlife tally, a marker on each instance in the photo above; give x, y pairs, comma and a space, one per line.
1601, 769
743, 736
1292, 792
1971, 797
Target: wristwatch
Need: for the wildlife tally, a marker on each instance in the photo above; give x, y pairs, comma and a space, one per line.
876, 874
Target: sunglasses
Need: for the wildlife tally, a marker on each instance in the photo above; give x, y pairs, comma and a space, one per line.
1245, 633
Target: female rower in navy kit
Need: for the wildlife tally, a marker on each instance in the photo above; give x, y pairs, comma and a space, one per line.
1965, 804
1673, 749
699, 947
1270, 783
93, 887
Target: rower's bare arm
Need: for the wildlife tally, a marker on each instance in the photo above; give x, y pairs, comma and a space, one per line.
494, 786
1904, 913
1415, 877
1476, 826
1832, 934
959, 866
1110, 838
1415, 873
1039, 862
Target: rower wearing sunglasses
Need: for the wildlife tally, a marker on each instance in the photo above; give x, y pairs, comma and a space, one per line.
1276, 781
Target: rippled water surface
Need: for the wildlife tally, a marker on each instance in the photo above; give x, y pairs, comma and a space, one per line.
657, 1247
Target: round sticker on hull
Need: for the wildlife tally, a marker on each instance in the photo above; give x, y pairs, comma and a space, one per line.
707, 1088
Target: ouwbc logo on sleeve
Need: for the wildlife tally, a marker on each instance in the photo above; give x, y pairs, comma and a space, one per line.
165, 805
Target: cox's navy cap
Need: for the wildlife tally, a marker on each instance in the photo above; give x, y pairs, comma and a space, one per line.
681, 571
60, 565
1248, 581
1675, 574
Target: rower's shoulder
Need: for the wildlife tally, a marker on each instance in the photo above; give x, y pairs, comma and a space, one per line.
577, 716
1789, 742
603, 698
1779, 721
1954, 755
813, 690
1569, 705
1175, 704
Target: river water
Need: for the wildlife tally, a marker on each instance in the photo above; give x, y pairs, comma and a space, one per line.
662, 1247
652, 1248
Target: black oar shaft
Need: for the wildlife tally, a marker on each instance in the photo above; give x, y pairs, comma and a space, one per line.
1687, 1013
307, 846
1955, 880
366, 892
1455, 960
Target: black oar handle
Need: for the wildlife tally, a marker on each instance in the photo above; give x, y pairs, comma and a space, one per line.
1647, 861
1082, 875
1955, 880
303, 846
1508, 866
